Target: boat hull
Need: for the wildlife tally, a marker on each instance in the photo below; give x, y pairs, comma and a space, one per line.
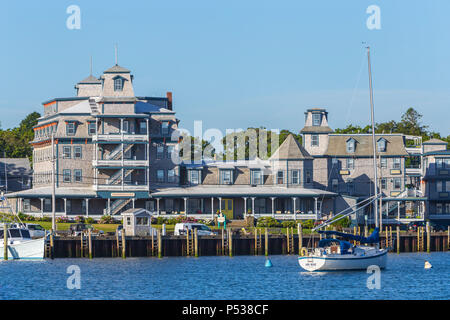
26, 250
344, 262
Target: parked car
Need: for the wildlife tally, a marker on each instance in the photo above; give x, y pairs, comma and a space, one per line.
412, 226
434, 226
77, 229
438, 227
36, 230
202, 230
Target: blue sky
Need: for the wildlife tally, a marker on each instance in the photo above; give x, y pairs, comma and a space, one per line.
236, 64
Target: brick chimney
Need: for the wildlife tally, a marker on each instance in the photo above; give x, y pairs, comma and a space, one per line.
169, 100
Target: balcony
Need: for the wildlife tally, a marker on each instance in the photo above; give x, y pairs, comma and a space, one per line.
120, 163
120, 137
125, 187
414, 150
413, 170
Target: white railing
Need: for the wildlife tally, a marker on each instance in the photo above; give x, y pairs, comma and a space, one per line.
118, 163
413, 150
120, 137
126, 187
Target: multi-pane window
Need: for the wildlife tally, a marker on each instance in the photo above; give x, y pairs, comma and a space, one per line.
397, 163
256, 177
67, 152
351, 146
438, 208
194, 176
384, 162
77, 153
118, 84
127, 153
160, 175
92, 128
165, 128
226, 177
68, 206
125, 126
308, 176
67, 175
334, 162
169, 151
381, 145
78, 176
83, 206
316, 117
314, 140
26, 205
47, 205
447, 207
295, 176
159, 151
350, 163
171, 176
70, 128
397, 183
143, 127
280, 177
439, 186
383, 183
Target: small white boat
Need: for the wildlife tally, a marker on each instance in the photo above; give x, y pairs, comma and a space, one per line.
21, 246
334, 254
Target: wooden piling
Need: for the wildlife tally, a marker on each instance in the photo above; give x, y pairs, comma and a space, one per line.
90, 243
159, 244
196, 242
422, 240
428, 238
418, 239
256, 241
5, 241
123, 244
153, 245
223, 242
266, 242
52, 246
287, 240
366, 231
398, 239
448, 238
118, 244
81, 246
230, 243
300, 238
386, 237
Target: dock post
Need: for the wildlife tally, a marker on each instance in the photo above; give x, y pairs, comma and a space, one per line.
81, 246
398, 239
266, 247
123, 244
159, 244
52, 246
428, 237
255, 231
153, 244
5, 241
448, 238
422, 242
196, 243
390, 238
187, 242
90, 243
366, 231
260, 242
230, 243
118, 244
300, 238
386, 242
418, 239
287, 240
223, 242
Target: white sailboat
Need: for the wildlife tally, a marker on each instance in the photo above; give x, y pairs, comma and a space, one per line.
21, 246
340, 254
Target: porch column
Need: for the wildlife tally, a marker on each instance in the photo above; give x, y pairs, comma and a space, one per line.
212, 208
87, 207
295, 208
315, 208
185, 206
132, 200
253, 205
273, 206
157, 206
245, 206
65, 206
109, 206
398, 210
42, 206
220, 205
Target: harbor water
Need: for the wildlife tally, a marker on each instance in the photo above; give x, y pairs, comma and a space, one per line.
222, 278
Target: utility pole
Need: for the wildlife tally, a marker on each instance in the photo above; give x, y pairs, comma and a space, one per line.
53, 183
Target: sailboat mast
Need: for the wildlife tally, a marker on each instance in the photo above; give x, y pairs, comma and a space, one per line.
375, 175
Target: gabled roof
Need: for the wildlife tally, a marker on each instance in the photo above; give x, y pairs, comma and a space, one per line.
90, 80
117, 69
435, 141
337, 145
290, 149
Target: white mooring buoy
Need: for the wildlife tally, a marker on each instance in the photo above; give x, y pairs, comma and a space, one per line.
428, 265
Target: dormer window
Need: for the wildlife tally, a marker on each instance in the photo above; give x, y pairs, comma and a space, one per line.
351, 145
381, 144
226, 177
316, 117
118, 84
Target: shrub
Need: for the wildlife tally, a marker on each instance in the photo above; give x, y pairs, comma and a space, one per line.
343, 223
106, 220
289, 224
160, 220
267, 222
62, 220
25, 217
308, 224
89, 220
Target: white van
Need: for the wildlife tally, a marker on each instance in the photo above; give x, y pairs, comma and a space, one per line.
202, 230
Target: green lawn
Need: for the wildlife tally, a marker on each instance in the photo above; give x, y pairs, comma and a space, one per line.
64, 226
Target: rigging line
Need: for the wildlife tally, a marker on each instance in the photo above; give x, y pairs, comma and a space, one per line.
363, 58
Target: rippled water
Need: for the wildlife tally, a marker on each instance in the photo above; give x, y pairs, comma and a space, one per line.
243, 277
